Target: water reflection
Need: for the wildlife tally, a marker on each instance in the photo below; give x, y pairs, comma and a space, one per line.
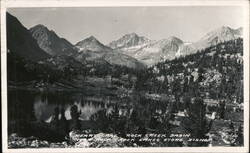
44, 106
105, 111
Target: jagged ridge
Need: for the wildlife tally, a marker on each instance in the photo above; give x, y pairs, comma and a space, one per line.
50, 42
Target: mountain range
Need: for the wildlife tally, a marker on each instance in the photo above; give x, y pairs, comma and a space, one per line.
151, 52
90, 49
221, 34
130, 50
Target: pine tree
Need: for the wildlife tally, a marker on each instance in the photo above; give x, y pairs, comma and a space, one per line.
239, 139
196, 122
222, 108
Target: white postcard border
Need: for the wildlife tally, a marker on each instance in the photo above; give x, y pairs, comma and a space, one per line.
122, 3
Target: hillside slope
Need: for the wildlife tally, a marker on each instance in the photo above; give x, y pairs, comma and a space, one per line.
20, 41
50, 42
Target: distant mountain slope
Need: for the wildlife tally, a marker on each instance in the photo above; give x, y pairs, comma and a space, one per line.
216, 36
91, 43
91, 50
212, 38
20, 41
62, 62
128, 40
122, 59
50, 42
239, 32
159, 50
151, 52
217, 70
147, 51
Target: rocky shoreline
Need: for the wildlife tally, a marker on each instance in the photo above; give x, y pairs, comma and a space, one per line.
77, 139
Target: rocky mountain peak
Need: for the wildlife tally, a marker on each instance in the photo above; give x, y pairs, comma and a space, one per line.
88, 40
92, 44
218, 35
131, 35
50, 42
239, 31
223, 31
128, 40
39, 28
91, 38
28, 48
225, 28
175, 40
172, 40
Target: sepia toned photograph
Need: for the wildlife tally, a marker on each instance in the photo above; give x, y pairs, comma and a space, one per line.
130, 76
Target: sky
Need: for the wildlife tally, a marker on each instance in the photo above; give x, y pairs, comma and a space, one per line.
188, 23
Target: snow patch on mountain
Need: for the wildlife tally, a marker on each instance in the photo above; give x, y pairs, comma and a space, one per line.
91, 44
216, 36
128, 41
90, 49
152, 52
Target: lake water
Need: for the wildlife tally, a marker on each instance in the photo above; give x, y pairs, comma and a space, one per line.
39, 106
